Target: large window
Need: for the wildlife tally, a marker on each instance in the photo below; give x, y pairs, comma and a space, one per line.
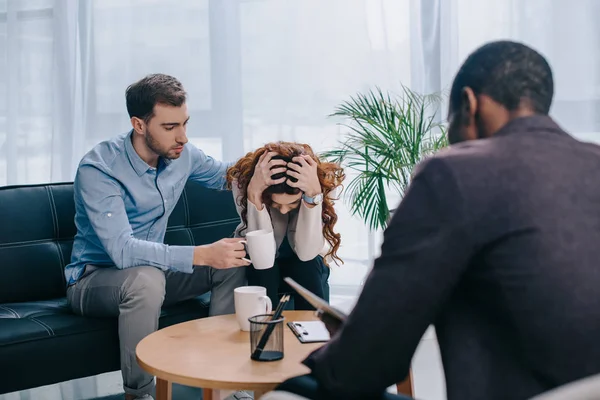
565, 31
259, 71
26, 107
130, 39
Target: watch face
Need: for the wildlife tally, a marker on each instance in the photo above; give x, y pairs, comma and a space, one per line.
318, 198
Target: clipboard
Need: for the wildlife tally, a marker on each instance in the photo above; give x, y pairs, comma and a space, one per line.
321, 305
309, 331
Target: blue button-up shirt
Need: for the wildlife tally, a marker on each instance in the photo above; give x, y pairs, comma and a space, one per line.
122, 206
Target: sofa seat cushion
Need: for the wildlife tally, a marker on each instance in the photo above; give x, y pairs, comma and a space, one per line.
37, 320
36, 337
43, 342
43, 320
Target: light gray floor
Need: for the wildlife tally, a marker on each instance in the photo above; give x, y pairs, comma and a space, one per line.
101, 387
427, 373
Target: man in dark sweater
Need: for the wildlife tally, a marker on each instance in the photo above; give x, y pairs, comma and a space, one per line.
496, 243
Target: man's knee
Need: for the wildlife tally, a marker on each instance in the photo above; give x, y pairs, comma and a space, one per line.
146, 285
230, 277
224, 282
304, 385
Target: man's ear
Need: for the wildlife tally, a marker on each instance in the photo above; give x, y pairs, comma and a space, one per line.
138, 125
469, 105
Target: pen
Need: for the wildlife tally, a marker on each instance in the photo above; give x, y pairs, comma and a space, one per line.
267, 333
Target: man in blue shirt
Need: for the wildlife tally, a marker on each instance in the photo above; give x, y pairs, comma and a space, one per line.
125, 190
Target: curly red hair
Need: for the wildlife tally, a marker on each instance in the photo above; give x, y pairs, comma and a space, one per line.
330, 176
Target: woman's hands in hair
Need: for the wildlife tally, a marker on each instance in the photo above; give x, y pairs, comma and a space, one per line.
306, 174
261, 179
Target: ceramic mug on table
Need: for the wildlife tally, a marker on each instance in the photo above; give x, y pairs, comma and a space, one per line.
250, 301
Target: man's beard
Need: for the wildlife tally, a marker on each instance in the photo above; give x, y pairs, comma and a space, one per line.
155, 147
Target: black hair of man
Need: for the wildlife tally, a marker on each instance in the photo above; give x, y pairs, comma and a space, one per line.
512, 74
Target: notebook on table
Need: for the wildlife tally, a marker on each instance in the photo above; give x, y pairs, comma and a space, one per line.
309, 331
314, 331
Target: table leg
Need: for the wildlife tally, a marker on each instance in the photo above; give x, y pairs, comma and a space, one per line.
259, 393
164, 389
406, 387
207, 394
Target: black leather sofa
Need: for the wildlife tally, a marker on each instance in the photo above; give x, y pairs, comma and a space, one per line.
41, 340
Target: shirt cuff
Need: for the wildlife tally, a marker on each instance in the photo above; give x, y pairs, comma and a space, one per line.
252, 208
316, 209
182, 258
258, 219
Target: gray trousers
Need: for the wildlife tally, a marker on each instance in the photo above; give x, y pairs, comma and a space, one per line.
136, 295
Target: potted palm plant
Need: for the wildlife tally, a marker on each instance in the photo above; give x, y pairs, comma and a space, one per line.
387, 137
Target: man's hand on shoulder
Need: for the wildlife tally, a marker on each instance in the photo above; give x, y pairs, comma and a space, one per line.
226, 253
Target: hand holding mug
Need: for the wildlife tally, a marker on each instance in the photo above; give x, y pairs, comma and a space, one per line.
261, 247
226, 253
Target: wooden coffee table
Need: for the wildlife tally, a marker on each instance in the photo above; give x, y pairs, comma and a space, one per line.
213, 353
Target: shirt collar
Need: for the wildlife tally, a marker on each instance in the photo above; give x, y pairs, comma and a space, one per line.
140, 166
531, 124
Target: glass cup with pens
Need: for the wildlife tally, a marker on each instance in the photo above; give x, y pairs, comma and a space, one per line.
266, 334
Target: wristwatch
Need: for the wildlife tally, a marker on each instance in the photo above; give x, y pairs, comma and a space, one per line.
318, 199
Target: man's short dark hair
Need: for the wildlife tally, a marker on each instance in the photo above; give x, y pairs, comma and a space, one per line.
143, 95
510, 73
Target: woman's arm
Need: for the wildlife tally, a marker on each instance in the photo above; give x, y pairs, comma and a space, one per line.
306, 237
257, 219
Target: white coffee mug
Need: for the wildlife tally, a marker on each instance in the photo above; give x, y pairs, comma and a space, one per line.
250, 301
261, 248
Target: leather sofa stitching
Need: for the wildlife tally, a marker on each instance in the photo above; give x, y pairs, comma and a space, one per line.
10, 310
186, 212
43, 324
56, 224
190, 236
61, 335
169, 229
25, 243
61, 255
205, 224
29, 243
54, 212
37, 185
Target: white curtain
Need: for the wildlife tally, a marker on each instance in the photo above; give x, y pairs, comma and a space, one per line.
260, 70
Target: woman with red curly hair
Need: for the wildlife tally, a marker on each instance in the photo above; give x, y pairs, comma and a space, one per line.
284, 187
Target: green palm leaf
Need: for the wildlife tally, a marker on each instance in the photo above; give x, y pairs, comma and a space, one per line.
387, 136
